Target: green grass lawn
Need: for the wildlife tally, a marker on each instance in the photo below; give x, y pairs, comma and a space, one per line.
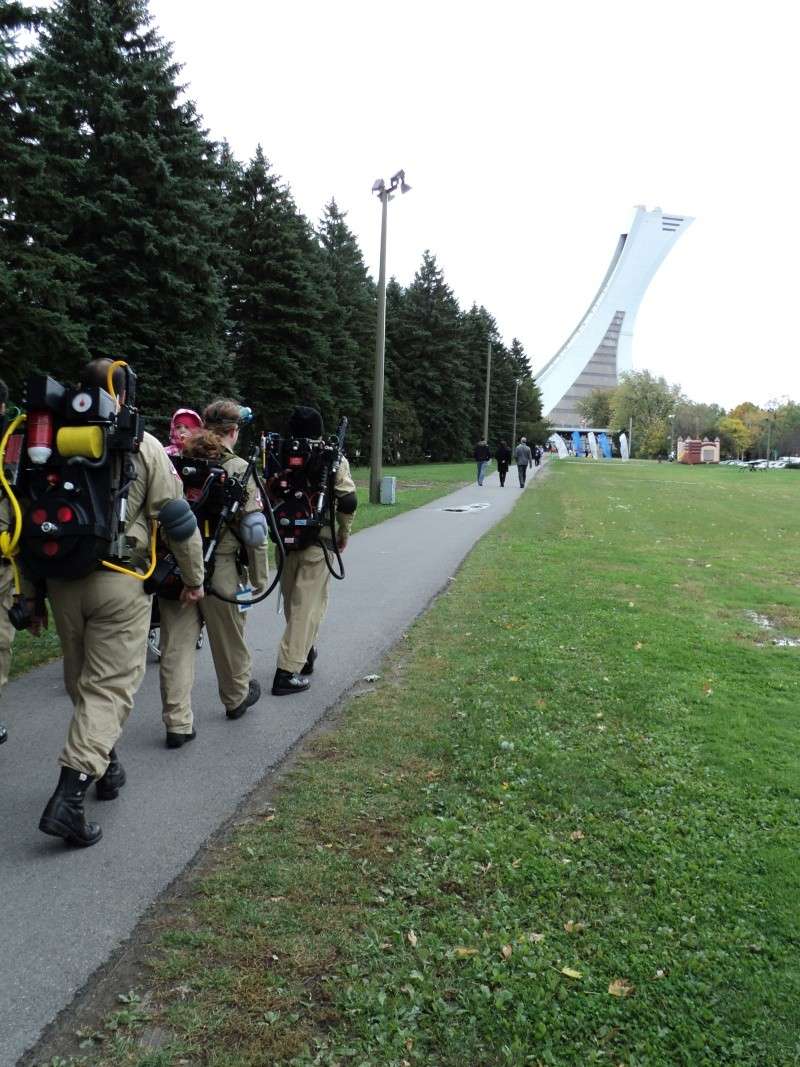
562, 829
416, 485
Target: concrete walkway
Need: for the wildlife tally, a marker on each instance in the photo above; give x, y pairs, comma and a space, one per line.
63, 911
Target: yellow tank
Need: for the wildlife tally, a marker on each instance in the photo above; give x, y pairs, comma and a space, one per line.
84, 441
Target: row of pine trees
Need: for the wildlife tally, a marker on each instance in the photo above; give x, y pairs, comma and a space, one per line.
125, 231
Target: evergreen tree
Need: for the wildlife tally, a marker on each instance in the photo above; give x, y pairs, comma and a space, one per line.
132, 195
428, 369
40, 307
402, 430
277, 321
478, 330
356, 296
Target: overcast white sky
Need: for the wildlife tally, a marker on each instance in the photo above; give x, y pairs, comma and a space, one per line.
528, 132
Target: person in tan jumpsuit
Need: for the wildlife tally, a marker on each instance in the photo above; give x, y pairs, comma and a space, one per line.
224, 622
6, 583
305, 579
102, 621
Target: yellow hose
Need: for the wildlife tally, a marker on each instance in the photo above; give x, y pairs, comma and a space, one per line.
110, 379
135, 574
8, 540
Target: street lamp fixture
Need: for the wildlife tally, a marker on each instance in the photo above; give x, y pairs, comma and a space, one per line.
384, 193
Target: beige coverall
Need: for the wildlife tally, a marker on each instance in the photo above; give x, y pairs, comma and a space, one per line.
6, 600
305, 585
180, 626
103, 620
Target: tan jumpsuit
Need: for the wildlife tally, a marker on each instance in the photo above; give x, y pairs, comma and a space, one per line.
103, 619
180, 627
305, 585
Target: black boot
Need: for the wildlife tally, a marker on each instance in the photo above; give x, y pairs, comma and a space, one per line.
308, 667
3, 734
253, 693
113, 780
285, 683
179, 740
63, 816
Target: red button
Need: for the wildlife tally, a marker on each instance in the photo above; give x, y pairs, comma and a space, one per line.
65, 514
50, 548
39, 515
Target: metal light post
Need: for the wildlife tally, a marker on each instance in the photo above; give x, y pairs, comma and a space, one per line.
384, 194
488, 383
514, 430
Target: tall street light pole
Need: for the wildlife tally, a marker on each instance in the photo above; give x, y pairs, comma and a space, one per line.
488, 384
514, 430
384, 194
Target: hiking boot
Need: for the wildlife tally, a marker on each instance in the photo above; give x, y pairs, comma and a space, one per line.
308, 666
253, 693
108, 787
63, 816
285, 683
178, 740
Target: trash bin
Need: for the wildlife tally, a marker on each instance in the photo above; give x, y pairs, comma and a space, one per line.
388, 490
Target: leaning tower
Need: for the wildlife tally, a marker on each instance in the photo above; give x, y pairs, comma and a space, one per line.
600, 347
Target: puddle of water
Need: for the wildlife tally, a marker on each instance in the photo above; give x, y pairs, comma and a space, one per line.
786, 642
760, 620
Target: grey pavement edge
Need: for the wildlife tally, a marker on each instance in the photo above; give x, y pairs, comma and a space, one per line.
64, 911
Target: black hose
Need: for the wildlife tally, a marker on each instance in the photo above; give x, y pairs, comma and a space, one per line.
325, 550
280, 553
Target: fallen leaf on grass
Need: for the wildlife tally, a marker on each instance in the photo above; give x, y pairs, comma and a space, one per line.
573, 927
568, 971
536, 938
620, 987
577, 835
412, 938
516, 864
506, 951
462, 953
638, 646
513, 678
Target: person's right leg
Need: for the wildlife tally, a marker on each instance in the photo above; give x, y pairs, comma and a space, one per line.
113, 614
180, 628
225, 623
305, 594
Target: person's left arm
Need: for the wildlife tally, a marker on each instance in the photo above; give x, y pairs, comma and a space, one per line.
344, 490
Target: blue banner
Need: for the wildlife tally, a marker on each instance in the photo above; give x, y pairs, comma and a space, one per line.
576, 443
605, 445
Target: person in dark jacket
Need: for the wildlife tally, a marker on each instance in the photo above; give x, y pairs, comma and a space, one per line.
482, 455
503, 457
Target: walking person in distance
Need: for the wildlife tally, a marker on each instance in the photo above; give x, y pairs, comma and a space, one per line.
523, 459
503, 457
482, 455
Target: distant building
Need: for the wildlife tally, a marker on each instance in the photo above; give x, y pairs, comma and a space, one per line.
693, 450
600, 347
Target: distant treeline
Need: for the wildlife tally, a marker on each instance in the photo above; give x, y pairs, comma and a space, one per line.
124, 231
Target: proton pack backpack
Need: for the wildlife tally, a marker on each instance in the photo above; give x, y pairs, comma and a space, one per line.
214, 496
74, 470
299, 483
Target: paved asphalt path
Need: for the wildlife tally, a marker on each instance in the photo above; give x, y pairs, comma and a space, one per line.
63, 910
